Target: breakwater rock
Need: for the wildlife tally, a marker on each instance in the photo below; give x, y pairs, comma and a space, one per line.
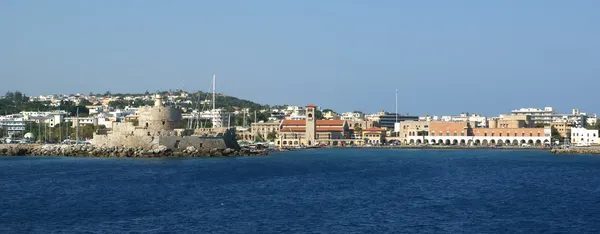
578, 150
93, 151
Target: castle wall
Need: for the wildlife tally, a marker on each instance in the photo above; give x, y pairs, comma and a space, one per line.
162, 125
177, 142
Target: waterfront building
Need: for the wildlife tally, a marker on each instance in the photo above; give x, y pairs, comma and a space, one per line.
462, 133
388, 120
563, 127
582, 136
311, 131
374, 135
412, 128
263, 129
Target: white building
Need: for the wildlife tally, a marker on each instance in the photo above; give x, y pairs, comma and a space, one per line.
13, 124
295, 113
39, 114
219, 117
582, 136
592, 119
353, 116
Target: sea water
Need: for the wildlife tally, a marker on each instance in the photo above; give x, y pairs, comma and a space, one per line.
306, 191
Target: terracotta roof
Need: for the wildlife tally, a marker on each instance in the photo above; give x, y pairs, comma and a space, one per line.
330, 129
284, 130
319, 129
330, 122
293, 122
374, 130
311, 105
319, 122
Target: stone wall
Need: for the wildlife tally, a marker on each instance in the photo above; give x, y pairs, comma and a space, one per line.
220, 141
177, 142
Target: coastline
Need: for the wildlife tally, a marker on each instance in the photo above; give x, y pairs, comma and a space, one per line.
429, 147
119, 152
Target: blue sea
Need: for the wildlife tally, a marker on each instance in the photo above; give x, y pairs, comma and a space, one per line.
307, 191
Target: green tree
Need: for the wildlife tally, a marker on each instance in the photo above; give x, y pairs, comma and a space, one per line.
318, 115
357, 130
540, 125
119, 104
271, 136
258, 137
595, 126
555, 135
84, 102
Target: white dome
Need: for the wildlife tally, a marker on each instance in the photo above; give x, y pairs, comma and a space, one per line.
29, 135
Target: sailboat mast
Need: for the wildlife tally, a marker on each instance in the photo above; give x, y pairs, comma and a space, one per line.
77, 127
397, 133
214, 88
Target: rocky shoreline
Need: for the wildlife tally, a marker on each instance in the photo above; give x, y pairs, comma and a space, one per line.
120, 152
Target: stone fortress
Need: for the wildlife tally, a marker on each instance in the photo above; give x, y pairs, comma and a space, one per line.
161, 126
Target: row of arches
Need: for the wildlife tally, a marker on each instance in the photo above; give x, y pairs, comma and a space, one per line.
476, 142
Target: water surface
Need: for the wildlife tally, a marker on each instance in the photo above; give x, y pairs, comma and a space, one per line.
311, 191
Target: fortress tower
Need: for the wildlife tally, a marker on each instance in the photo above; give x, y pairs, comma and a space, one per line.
159, 118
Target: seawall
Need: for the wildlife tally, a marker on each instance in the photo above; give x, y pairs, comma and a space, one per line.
94, 151
578, 150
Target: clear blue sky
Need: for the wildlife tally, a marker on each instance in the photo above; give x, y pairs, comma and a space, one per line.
445, 57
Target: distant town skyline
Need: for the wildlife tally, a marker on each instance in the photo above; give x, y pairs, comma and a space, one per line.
444, 57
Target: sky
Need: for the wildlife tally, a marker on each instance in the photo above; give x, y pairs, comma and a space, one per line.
444, 57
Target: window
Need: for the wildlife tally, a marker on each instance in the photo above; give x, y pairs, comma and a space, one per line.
538, 134
485, 134
523, 134
462, 134
455, 134
492, 134
500, 134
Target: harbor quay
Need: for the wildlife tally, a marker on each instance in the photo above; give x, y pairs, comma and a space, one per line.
174, 121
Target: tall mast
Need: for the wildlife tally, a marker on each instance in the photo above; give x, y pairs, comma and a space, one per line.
396, 105
397, 133
77, 127
214, 88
